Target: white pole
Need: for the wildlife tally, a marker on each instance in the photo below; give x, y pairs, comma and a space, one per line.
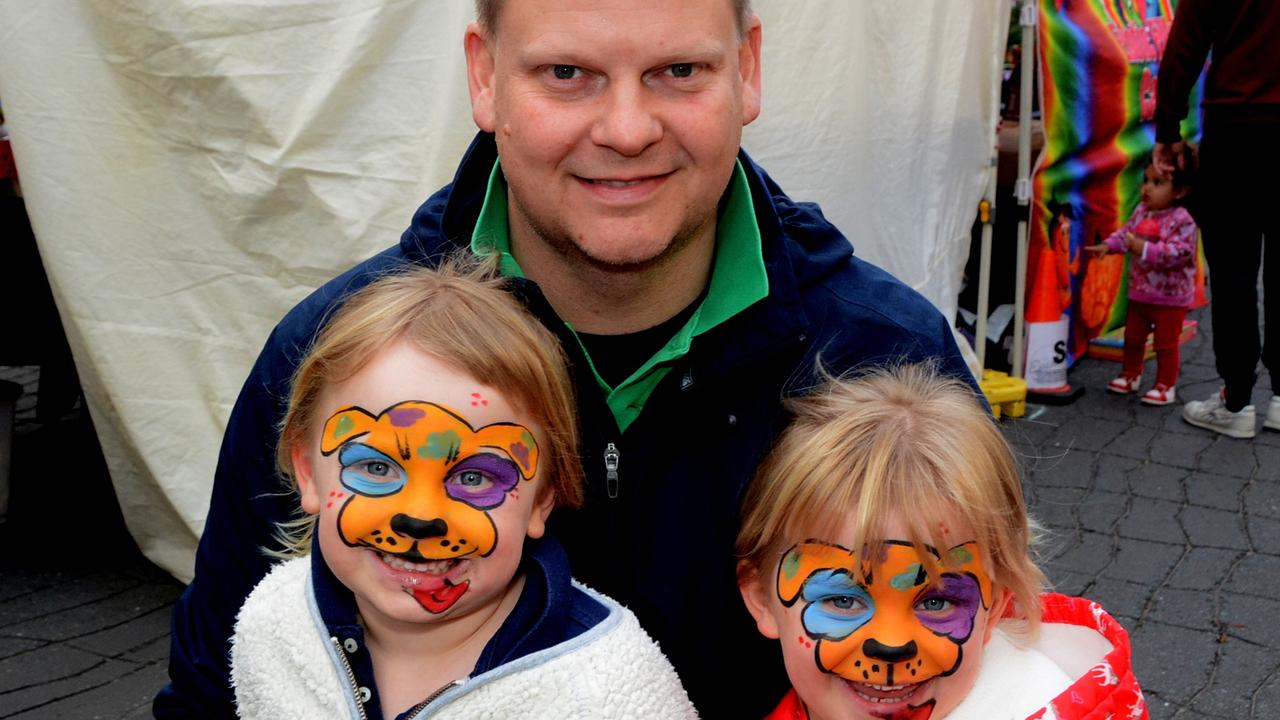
1022, 190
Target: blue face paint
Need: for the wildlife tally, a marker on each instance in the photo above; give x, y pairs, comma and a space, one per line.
366, 471
837, 605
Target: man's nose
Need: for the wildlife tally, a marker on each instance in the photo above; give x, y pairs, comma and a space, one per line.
628, 122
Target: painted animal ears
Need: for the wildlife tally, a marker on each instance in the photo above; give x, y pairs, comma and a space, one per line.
804, 559
343, 426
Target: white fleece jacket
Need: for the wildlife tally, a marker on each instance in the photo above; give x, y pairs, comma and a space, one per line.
284, 665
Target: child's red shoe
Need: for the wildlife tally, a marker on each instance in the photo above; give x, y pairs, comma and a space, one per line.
1161, 394
1124, 384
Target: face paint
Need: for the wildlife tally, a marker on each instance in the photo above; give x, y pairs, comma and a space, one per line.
421, 484
884, 626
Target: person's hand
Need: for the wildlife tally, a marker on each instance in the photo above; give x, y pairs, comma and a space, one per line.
1133, 243
1098, 250
1168, 156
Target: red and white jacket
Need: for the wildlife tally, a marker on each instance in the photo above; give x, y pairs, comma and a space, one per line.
1077, 669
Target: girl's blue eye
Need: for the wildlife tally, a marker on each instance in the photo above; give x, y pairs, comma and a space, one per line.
378, 468
471, 478
845, 604
934, 604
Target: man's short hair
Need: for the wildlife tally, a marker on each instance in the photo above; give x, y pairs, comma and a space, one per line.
487, 12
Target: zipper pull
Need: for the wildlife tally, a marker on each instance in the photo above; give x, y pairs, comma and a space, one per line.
611, 456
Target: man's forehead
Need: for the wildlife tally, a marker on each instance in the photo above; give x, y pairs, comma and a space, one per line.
489, 12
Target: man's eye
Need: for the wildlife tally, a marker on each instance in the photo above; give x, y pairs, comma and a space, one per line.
681, 70
565, 72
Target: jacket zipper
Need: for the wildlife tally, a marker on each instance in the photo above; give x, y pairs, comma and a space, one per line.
413, 712
611, 456
351, 678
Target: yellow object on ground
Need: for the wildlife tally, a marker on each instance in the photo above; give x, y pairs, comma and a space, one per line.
1007, 395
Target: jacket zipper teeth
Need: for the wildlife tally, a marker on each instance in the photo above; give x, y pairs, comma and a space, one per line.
611, 457
351, 677
431, 698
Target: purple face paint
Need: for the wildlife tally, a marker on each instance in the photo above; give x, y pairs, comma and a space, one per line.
965, 598
482, 481
404, 417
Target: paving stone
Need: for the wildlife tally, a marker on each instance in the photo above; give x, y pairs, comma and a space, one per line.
1132, 442
1178, 450
1153, 520
1251, 618
40, 696
1113, 474
126, 696
1255, 575
1139, 561
106, 613
1262, 498
1203, 568
1069, 469
1056, 507
10, 645
1185, 608
1087, 433
1158, 481
1229, 456
1266, 448
1088, 555
84, 591
156, 650
1216, 491
129, 635
1101, 511
1242, 671
43, 664
1266, 701
1070, 583
1206, 527
1127, 601
1264, 534
1174, 661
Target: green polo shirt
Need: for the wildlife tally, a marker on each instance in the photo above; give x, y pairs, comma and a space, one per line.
738, 280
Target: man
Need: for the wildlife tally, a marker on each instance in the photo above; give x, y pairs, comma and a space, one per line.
1234, 193
691, 293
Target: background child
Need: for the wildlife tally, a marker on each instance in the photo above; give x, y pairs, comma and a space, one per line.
429, 433
1160, 238
886, 545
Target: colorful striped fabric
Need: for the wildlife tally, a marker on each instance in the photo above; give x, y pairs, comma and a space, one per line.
1098, 66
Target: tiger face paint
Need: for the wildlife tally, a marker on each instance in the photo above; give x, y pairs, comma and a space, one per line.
424, 505
882, 639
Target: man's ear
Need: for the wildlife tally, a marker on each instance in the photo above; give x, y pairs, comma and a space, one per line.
542, 505
480, 72
304, 475
759, 601
1004, 598
749, 67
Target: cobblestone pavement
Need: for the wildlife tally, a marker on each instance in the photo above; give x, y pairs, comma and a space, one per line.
1174, 529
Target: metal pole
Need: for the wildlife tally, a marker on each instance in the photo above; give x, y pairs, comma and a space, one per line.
987, 213
1023, 187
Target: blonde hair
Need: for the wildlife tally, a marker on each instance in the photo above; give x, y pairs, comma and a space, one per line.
901, 441
459, 313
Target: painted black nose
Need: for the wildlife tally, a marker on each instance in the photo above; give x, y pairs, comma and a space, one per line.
877, 650
418, 529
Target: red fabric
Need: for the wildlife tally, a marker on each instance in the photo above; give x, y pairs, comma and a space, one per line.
7, 167
1108, 690
1167, 322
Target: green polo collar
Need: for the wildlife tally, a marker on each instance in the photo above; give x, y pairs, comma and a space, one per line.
738, 280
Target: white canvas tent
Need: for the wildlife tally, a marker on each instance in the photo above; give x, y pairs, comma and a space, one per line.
192, 168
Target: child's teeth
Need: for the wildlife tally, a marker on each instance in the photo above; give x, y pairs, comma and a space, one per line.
435, 567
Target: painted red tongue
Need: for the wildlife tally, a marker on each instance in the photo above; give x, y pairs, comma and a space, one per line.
438, 600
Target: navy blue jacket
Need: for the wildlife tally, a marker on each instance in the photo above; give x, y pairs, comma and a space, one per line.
664, 545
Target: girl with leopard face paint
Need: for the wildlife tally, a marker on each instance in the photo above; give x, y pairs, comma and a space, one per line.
886, 547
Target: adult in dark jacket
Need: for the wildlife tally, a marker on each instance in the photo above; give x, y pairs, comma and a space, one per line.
1234, 194
691, 293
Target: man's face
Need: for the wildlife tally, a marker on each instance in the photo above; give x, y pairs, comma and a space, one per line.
617, 122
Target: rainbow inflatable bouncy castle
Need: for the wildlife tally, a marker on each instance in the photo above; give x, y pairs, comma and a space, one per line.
1098, 63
